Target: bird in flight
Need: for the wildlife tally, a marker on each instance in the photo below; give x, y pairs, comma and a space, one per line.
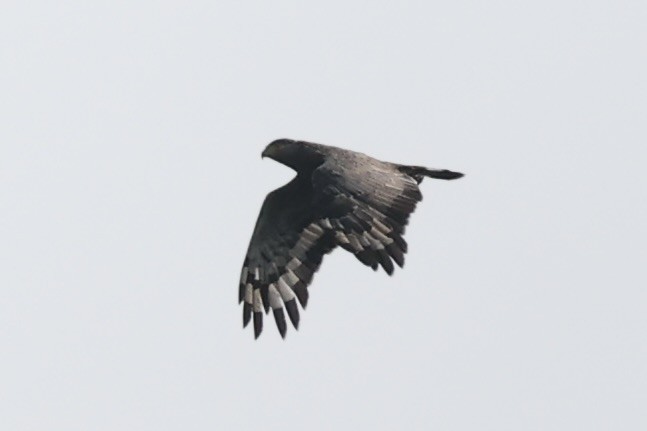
338, 198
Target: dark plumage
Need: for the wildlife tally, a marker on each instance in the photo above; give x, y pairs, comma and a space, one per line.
338, 198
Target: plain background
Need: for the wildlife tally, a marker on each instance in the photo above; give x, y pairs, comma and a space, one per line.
131, 178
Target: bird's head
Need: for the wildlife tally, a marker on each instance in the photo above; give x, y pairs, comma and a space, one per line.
299, 155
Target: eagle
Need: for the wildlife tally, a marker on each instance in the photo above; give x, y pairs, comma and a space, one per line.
337, 198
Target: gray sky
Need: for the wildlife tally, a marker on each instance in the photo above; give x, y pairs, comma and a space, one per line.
131, 179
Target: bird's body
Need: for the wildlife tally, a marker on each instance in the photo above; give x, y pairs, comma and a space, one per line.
338, 198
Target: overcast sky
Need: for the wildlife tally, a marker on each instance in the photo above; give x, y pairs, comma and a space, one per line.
131, 178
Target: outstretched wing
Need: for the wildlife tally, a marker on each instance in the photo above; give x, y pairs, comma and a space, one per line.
286, 249
379, 199
362, 207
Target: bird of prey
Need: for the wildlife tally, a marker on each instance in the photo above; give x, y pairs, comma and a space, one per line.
338, 198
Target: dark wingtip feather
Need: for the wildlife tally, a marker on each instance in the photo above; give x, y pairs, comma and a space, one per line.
367, 257
247, 314
265, 297
258, 323
400, 242
385, 261
301, 292
293, 312
396, 254
279, 317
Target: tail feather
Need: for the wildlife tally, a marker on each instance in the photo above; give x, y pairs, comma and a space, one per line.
419, 172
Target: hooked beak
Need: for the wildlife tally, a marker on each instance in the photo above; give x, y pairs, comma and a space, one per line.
271, 149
